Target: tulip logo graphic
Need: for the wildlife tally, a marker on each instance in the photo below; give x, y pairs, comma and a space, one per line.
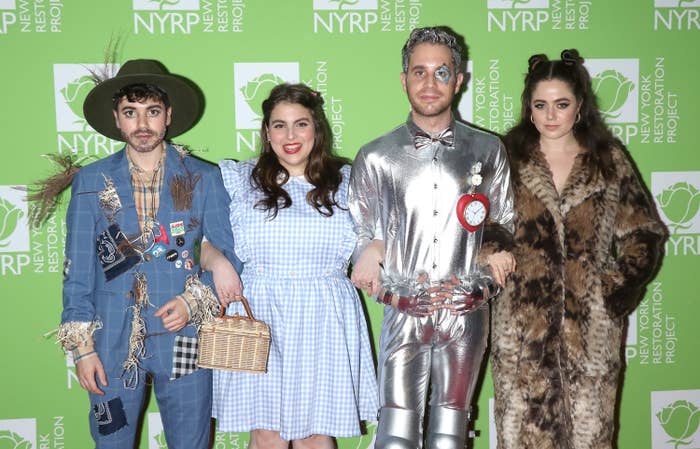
74, 95
615, 84
612, 89
11, 440
10, 216
18, 434
252, 84
14, 227
72, 83
160, 441
675, 419
680, 420
257, 90
677, 195
680, 203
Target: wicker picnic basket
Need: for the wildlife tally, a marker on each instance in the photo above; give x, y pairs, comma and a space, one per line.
235, 343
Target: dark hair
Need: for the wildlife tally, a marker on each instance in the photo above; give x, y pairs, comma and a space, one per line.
322, 169
138, 93
589, 130
436, 36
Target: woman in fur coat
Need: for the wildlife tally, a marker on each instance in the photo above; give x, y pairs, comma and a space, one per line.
587, 239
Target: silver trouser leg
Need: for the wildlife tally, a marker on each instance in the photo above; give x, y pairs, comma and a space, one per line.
447, 428
459, 344
398, 429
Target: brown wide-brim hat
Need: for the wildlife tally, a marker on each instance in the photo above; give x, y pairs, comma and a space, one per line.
185, 98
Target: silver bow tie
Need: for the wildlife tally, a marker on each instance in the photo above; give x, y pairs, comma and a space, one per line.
423, 140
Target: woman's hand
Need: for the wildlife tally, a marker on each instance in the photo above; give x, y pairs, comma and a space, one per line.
226, 282
366, 272
502, 264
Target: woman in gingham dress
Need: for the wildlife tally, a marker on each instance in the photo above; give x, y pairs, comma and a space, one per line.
294, 235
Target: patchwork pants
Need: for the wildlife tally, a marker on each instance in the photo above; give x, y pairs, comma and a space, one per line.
184, 403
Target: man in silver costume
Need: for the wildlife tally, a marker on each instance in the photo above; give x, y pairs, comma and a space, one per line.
418, 256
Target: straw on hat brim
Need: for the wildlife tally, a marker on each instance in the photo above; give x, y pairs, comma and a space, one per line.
184, 101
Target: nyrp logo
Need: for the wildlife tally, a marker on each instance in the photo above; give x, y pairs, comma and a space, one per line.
162, 5
677, 14
72, 83
518, 4
156, 434
166, 16
14, 225
345, 16
18, 433
321, 5
538, 15
517, 15
187, 16
675, 419
615, 82
253, 83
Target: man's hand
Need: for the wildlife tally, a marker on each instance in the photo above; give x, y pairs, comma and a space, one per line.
87, 370
174, 314
366, 272
502, 264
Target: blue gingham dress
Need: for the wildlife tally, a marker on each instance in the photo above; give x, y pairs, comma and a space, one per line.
321, 377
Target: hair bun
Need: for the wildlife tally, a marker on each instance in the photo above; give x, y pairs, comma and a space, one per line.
571, 57
535, 60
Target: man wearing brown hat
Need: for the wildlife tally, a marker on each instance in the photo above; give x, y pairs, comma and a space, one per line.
131, 284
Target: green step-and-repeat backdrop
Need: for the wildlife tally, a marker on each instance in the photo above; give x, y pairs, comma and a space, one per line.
643, 54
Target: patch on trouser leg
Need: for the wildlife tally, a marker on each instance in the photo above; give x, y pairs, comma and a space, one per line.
109, 416
184, 356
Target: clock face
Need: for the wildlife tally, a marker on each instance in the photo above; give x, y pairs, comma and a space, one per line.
475, 213
472, 210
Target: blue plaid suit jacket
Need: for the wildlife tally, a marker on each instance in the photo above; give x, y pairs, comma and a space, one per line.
88, 296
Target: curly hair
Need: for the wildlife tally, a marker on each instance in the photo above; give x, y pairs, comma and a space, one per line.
139, 93
322, 169
590, 130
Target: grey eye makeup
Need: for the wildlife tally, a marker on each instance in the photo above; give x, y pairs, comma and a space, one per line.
443, 74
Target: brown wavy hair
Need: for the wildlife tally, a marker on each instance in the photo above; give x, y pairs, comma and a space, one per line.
322, 169
590, 130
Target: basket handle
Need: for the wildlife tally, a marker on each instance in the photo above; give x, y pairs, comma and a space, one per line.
222, 310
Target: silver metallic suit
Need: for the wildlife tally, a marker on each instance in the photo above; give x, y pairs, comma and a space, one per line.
408, 197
